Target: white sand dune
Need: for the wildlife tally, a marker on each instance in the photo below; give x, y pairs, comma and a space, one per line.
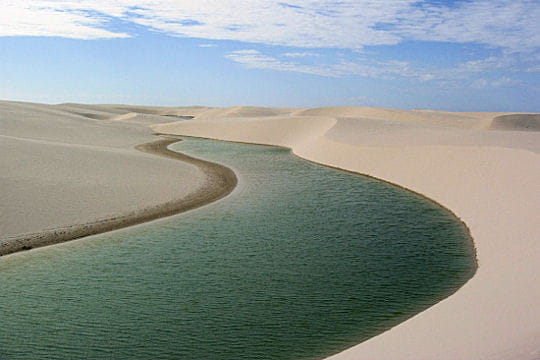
67, 166
517, 122
135, 114
188, 111
281, 131
488, 178
242, 111
428, 117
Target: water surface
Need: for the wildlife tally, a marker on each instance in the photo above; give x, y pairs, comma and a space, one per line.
300, 262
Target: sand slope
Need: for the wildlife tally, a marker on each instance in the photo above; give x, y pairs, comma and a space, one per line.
68, 165
429, 117
241, 111
489, 178
517, 122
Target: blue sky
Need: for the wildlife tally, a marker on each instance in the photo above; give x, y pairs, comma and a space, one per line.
462, 55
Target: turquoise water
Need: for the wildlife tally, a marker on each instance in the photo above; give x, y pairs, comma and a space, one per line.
301, 261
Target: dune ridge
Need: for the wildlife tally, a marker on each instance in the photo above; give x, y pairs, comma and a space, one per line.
242, 111
489, 178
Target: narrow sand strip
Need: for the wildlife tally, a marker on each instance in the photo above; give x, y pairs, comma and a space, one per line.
219, 182
488, 178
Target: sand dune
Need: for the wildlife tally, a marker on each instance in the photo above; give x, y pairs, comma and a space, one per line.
189, 111
490, 179
66, 175
517, 122
107, 116
428, 117
242, 111
137, 114
282, 131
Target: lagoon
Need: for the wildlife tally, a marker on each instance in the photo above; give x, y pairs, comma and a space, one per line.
299, 262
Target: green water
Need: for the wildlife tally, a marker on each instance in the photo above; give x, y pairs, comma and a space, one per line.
301, 261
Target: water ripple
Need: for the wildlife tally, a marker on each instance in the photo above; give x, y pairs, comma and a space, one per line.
300, 262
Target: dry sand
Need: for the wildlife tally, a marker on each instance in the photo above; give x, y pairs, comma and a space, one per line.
72, 170
485, 167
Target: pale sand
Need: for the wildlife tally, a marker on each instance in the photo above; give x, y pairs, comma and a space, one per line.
489, 178
70, 171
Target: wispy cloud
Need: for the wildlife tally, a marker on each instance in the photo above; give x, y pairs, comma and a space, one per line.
403, 70
494, 83
58, 18
253, 59
375, 69
509, 28
508, 24
348, 24
302, 54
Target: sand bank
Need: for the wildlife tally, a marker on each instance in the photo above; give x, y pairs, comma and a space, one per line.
488, 177
67, 175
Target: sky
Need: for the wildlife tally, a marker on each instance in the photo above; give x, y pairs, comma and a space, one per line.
457, 55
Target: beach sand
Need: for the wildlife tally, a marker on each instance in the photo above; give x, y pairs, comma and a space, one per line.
484, 167
70, 171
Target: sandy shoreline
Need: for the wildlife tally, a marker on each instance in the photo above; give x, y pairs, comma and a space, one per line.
488, 177
219, 182
73, 170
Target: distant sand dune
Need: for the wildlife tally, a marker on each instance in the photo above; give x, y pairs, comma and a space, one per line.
429, 117
241, 111
157, 110
517, 122
281, 131
108, 116
106, 112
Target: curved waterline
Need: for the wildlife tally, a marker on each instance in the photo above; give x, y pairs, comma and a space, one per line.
300, 262
219, 182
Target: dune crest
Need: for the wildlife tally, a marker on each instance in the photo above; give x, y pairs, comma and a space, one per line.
279, 130
427, 117
241, 111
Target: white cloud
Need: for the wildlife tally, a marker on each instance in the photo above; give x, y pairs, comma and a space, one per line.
495, 83
507, 24
366, 67
253, 59
510, 26
347, 24
375, 69
53, 18
302, 54
306, 23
